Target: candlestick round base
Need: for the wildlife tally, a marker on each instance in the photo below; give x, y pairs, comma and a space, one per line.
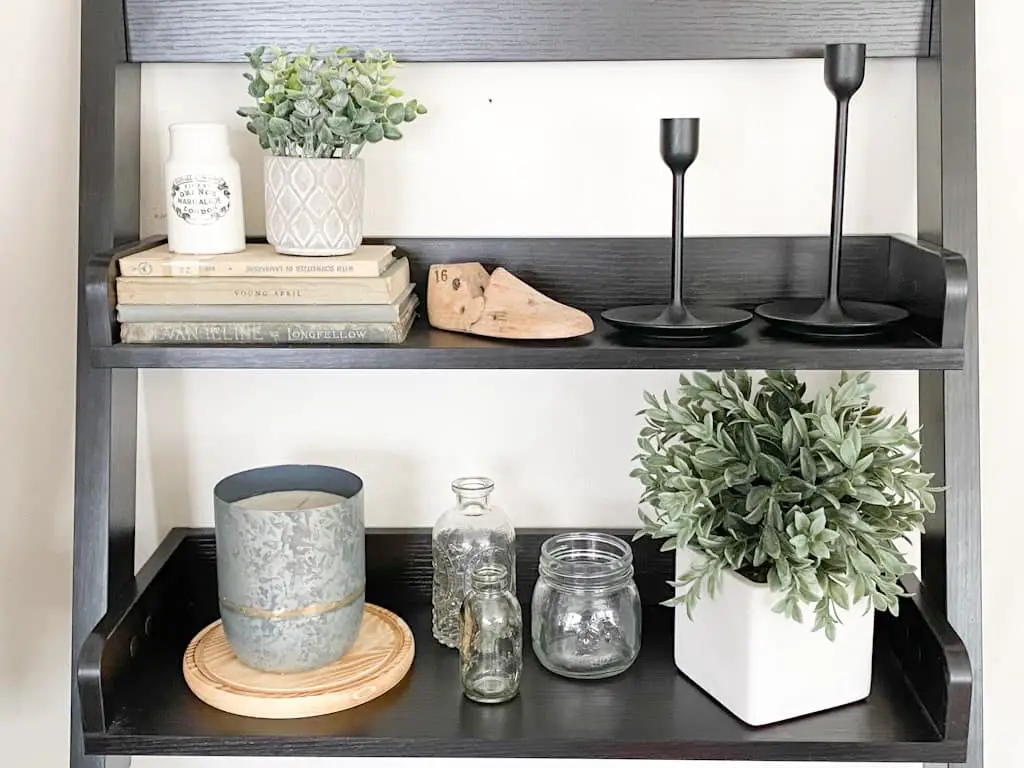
696, 322
816, 318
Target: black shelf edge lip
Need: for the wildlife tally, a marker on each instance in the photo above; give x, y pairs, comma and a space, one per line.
498, 356
135, 701
267, 746
595, 274
529, 30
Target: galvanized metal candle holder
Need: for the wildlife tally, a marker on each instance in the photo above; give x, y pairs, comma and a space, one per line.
291, 564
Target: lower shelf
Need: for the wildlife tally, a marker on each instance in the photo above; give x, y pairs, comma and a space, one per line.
135, 700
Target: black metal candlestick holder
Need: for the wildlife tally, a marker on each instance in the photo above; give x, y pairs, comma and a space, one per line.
844, 74
680, 140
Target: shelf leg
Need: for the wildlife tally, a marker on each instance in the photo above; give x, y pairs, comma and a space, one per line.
105, 431
947, 215
104, 552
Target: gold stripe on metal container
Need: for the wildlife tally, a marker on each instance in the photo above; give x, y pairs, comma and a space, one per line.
309, 610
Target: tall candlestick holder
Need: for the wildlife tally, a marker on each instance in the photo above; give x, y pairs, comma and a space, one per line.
844, 74
680, 140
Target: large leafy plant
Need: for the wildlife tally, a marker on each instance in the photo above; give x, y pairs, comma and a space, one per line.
810, 497
324, 106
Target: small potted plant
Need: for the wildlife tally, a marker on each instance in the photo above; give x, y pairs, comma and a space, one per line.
315, 114
785, 514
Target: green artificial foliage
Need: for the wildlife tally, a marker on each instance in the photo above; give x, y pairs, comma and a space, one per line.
324, 106
808, 496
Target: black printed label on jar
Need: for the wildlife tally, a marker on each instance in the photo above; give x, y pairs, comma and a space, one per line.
200, 199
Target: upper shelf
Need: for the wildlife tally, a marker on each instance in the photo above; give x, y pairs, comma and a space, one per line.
596, 274
530, 30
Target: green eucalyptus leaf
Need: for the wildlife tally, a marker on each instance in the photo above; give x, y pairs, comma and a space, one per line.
831, 427
770, 467
770, 543
818, 522
840, 595
307, 108
339, 125
800, 424
395, 112
257, 88
279, 127
801, 521
807, 466
757, 497
848, 450
869, 495
703, 381
364, 117
820, 550
374, 133
338, 101
790, 440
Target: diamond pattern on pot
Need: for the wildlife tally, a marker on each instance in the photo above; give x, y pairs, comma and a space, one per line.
314, 207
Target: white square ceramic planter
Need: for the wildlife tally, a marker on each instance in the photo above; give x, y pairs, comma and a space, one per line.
762, 666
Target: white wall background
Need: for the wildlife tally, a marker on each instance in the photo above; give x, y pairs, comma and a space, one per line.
471, 167
557, 443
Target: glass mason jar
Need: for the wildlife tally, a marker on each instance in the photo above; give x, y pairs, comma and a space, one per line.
491, 649
470, 534
586, 607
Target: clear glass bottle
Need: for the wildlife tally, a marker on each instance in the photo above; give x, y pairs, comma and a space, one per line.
472, 533
491, 648
586, 615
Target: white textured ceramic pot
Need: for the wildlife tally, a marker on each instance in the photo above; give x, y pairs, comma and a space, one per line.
314, 206
762, 666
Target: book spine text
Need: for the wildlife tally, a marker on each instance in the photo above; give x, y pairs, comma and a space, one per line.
264, 333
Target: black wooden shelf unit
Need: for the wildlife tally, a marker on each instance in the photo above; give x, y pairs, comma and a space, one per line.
130, 628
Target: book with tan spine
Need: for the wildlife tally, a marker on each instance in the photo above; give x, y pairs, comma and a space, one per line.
268, 313
257, 260
266, 290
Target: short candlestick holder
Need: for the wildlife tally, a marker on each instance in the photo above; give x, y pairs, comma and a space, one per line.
680, 139
844, 74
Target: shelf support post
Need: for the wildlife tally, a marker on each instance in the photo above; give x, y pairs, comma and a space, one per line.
106, 399
947, 216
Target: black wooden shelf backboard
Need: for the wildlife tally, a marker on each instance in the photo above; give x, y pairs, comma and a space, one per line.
528, 30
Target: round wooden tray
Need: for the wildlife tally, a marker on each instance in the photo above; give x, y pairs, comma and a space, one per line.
378, 661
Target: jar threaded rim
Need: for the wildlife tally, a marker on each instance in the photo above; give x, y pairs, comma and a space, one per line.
586, 560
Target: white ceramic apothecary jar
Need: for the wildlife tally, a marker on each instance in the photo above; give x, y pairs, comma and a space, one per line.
203, 189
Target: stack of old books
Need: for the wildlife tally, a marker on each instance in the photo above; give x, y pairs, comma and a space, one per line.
258, 296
